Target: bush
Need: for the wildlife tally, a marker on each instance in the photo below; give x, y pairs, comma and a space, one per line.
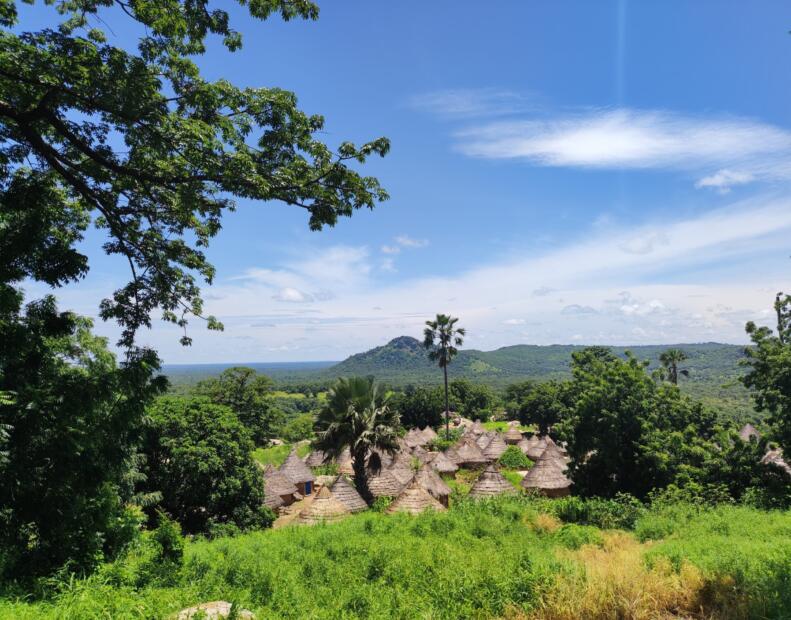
621, 512
514, 458
573, 536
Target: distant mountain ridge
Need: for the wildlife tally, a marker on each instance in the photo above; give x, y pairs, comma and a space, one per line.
405, 359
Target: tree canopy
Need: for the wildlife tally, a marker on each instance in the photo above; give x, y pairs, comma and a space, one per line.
138, 144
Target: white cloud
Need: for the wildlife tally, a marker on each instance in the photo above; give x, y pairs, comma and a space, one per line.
406, 241
292, 295
388, 265
737, 149
711, 274
645, 242
459, 103
514, 322
390, 249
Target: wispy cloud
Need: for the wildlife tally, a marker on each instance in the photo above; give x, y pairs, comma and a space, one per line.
406, 241
723, 151
468, 102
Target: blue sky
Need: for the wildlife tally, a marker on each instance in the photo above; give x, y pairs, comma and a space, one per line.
567, 172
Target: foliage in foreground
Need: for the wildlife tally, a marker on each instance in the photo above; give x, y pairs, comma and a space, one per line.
728, 561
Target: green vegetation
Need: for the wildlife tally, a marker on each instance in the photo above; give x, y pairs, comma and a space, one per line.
725, 562
440, 339
514, 458
276, 455
357, 416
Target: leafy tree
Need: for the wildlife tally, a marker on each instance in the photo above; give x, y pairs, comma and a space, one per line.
73, 419
769, 371
140, 145
514, 458
249, 396
474, 400
298, 428
419, 406
670, 360
440, 338
515, 393
199, 458
545, 405
627, 434
358, 416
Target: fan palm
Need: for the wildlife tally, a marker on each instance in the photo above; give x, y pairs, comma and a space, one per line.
356, 415
440, 338
670, 359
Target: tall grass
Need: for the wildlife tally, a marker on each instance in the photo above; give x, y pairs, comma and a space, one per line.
501, 558
276, 455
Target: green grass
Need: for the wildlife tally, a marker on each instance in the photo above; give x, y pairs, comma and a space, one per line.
502, 426
276, 455
725, 563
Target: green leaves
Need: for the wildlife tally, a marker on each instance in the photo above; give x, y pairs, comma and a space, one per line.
145, 149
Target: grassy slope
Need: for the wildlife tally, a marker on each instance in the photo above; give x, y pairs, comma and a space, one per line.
732, 562
276, 455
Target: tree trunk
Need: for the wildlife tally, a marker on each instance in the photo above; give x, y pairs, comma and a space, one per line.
361, 477
447, 408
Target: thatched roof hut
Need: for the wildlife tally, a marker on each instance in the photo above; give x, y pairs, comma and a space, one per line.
484, 438
495, 448
490, 483
523, 444
477, 428
414, 438
323, 509
317, 458
429, 434
513, 435
548, 475
443, 464
775, 457
384, 484
346, 493
414, 499
421, 454
749, 432
453, 455
430, 480
537, 446
278, 488
299, 473
469, 454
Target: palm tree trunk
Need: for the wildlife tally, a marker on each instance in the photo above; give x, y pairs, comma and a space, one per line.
447, 408
361, 477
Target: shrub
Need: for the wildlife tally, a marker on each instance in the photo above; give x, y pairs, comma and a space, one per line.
514, 458
619, 513
573, 536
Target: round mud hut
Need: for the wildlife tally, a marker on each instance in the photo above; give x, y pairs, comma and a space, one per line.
414, 499
345, 492
430, 480
323, 509
295, 469
548, 475
490, 484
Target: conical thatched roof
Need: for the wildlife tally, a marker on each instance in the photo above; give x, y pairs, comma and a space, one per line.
483, 439
421, 454
276, 485
316, 459
345, 465
536, 447
430, 480
469, 453
429, 434
748, 431
513, 435
495, 448
345, 492
453, 455
477, 427
296, 470
523, 444
324, 508
384, 484
414, 438
414, 499
549, 472
490, 483
775, 457
442, 464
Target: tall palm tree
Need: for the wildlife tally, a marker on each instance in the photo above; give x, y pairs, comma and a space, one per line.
356, 415
670, 359
440, 338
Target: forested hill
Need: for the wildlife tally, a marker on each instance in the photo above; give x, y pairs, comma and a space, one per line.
403, 360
